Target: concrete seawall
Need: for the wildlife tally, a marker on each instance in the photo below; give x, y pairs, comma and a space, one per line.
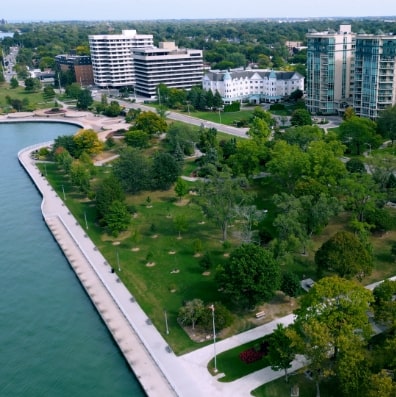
103, 287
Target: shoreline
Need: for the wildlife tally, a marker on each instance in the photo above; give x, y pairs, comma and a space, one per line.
160, 372
102, 287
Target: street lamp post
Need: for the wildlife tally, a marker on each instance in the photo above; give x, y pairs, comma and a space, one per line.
214, 337
64, 195
219, 116
86, 222
118, 261
166, 323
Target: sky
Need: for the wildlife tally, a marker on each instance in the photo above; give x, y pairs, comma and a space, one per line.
51, 10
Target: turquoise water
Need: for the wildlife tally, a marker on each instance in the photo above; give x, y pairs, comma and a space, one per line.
52, 341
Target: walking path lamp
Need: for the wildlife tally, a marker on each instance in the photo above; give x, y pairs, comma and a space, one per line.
118, 261
214, 336
166, 322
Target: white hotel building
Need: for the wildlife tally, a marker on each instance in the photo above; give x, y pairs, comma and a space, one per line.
254, 85
111, 56
131, 60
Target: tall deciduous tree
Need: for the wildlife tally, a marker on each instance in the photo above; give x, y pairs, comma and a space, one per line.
132, 169
281, 350
165, 170
87, 141
344, 254
117, 217
218, 197
107, 191
301, 117
251, 275
356, 133
150, 122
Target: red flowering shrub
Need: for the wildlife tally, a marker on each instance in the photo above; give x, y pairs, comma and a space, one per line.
251, 355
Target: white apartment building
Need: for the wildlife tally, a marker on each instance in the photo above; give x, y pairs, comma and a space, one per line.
111, 56
256, 85
175, 67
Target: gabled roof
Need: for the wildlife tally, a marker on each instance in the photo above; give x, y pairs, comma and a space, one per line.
251, 74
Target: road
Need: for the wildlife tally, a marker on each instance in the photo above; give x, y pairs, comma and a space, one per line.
188, 119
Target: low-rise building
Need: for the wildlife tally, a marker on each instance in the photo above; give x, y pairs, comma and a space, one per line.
256, 85
80, 65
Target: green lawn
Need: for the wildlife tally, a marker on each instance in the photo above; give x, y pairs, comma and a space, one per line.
227, 118
36, 100
233, 367
307, 388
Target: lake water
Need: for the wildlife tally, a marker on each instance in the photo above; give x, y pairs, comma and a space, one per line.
52, 341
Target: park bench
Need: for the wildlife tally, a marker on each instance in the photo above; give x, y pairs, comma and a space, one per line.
260, 314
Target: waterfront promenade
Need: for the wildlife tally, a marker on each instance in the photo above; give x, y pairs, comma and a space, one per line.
161, 373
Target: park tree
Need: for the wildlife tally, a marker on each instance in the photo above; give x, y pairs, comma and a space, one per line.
114, 109
132, 169
302, 136
384, 304
351, 367
281, 351
66, 142
222, 316
325, 162
181, 188
359, 194
259, 130
344, 254
80, 176
218, 196
117, 218
151, 123
246, 159
357, 134
48, 93
313, 341
164, 172
32, 84
84, 99
349, 113
181, 224
341, 306
191, 312
380, 384
287, 164
386, 123
87, 141
381, 166
73, 90
251, 275
137, 139
63, 158
108, 190
184, 135
355, 165
331, 327
290, 284
300, 117
14, 83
